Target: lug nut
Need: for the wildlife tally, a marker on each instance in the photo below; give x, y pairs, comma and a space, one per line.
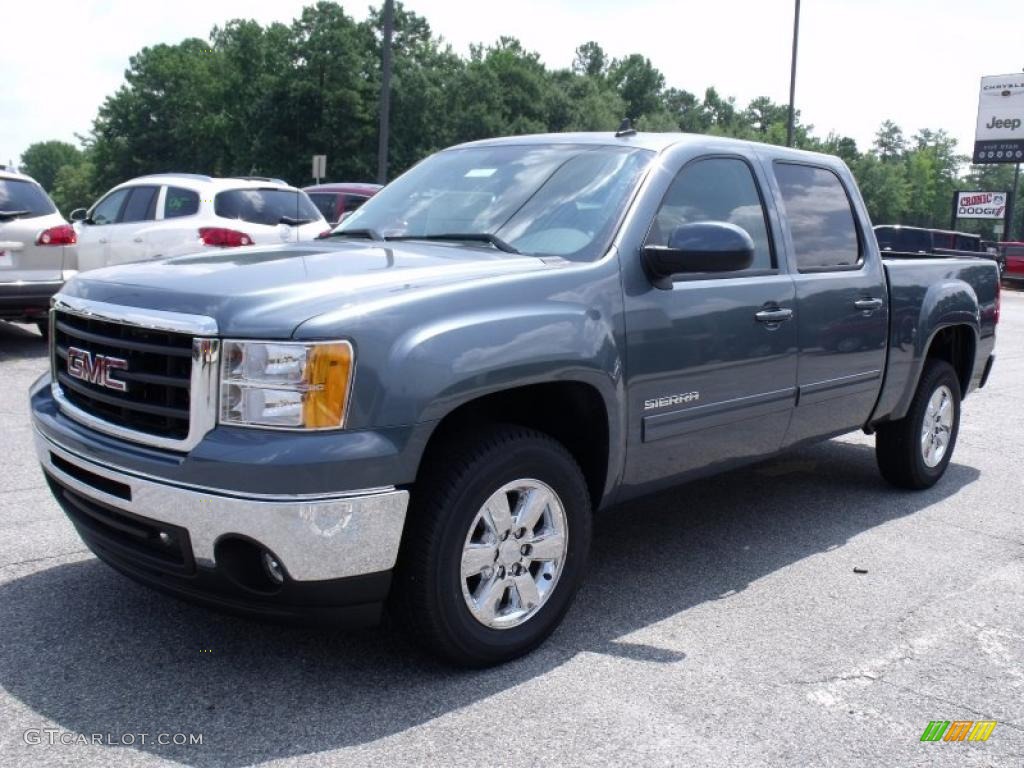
520, 533
487, 572
501, 572
526, 549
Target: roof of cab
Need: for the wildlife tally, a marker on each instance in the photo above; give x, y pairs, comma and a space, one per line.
656, 142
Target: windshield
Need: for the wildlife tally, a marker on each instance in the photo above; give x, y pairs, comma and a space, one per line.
23, 199
266, 206
559, 200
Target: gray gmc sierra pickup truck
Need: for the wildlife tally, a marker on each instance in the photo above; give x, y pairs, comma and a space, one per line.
423, 410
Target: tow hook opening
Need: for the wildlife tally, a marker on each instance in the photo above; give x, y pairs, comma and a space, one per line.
250, 565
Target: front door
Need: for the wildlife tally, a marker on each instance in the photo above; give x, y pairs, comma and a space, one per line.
711, 363
94, 233
841, 301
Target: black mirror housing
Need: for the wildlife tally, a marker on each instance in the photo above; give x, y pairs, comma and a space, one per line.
704, 246
79, 214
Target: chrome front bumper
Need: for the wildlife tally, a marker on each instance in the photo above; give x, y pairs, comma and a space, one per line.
314, 537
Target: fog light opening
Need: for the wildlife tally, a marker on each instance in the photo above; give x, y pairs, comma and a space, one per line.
273, 568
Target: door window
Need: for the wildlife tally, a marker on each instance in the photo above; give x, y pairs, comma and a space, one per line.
141, 205
180, 202
715, 189
821, 220
109, 207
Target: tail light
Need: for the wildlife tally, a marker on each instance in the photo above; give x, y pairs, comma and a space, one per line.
323, 234
227, 238
62, 234
999, 301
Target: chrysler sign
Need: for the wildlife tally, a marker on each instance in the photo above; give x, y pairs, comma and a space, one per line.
981, 205
999, 137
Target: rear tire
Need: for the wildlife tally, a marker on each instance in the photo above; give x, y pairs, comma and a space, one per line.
517, 593
915, 451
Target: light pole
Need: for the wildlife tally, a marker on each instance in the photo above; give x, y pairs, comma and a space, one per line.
385, 93
792, 76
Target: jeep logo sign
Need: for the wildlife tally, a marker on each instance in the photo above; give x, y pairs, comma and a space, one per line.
96, 369
981, 205
999, 137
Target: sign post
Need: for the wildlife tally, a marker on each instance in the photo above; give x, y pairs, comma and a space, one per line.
319, 167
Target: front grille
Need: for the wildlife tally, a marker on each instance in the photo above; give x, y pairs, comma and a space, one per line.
157, 377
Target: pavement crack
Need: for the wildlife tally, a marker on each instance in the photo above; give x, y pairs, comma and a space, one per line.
42, 559
958, 704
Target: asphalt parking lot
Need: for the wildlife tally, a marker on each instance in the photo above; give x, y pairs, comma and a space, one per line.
721, 624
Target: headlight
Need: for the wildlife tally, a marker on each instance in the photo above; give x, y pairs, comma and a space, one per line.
290, 385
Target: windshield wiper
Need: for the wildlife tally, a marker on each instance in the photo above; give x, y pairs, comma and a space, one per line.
365, 234
12, 214
291, 222
462, 237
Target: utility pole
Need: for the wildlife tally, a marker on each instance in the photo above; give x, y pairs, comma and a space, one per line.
385, 93
1013, 204
792, 76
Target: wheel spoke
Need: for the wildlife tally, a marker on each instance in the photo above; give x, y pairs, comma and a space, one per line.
532, 507
945, 410
490, 598
547, 547
526, 587
498, 514
476, 557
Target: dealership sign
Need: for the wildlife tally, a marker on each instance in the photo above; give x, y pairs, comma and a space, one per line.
981, 205
999, 137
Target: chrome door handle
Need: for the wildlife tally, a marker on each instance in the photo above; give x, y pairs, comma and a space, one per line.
776, 315
868, 305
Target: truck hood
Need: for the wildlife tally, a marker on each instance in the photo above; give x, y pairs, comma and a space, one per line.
269, 292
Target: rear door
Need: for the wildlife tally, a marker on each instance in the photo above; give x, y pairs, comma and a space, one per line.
25, 211
842, 304
711, 363
176, 229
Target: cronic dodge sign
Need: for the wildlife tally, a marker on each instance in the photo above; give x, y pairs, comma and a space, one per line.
981, 205
999, 137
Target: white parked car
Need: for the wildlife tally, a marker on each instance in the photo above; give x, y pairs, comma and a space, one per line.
37, 250
154, 217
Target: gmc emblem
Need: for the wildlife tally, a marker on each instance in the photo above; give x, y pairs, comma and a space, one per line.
96, 369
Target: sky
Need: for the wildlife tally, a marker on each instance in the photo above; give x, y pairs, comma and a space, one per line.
917, 62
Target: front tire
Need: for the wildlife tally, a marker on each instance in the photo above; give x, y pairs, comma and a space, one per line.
495, 547
915, 451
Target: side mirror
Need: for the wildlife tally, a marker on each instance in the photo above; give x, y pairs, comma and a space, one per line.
704, 246
79, 214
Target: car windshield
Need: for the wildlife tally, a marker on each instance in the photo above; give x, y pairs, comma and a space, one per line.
559, 200
23, 199
266, 206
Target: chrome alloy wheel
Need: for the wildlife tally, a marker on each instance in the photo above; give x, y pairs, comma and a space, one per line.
514, 553
937, 427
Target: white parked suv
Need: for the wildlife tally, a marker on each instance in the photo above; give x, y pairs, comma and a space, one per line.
37, 250
154, 217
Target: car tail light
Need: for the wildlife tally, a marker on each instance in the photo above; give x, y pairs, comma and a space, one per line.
999, 301
323, 234
62, 234
227, 238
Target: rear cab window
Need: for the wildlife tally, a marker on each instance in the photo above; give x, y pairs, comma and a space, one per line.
266, 205
821, 220
25, 198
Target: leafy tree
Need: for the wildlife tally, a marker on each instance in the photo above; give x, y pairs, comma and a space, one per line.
590, 60
43, 161
75, 187
890, 142
638, 83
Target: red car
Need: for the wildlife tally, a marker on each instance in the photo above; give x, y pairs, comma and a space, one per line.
1014, 255
335, 200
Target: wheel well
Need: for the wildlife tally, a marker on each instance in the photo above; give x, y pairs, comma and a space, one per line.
955, 345
571, 412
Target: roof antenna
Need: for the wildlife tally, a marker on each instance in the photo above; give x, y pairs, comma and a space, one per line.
625, 129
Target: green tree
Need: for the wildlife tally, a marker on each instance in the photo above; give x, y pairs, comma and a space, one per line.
75, 187
639, 84
43, 161
890, 142
884, 188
